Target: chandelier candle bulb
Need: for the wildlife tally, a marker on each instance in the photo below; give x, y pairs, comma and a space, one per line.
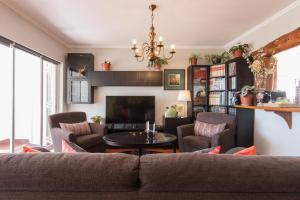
173, 47
160, 39
134, 42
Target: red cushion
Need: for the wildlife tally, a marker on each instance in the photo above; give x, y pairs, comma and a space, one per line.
216, 150
27, 149
67, 148
249, 151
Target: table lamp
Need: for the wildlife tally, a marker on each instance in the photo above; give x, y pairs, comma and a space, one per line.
184, 96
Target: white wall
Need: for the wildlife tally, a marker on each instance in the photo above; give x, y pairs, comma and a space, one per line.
123, 60
17, 28
271, 135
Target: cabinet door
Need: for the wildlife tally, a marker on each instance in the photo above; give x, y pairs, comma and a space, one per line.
74, 91
79, 91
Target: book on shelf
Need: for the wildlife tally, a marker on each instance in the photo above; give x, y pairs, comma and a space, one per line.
217, 70
217, 84
231, 94
232, 111
200, 73
217, 98
232, 83
218, 109
232, 69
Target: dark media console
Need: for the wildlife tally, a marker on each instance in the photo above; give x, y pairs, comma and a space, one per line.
130, 127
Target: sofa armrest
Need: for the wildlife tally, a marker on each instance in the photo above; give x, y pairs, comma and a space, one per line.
185, 130
182, 131
98, 128
225, 139
58, 135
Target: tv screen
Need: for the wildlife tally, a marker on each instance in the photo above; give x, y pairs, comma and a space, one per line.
130, 109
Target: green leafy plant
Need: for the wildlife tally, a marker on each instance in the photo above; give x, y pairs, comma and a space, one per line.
247, 90
216, 59
244, 48
194, 56
157, 62
97, 119
106, 62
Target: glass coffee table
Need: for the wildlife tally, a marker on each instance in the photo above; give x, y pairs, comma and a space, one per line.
140, 140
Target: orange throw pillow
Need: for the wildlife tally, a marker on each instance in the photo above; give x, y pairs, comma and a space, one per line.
216, 150
26, 149
67, 148
249, 151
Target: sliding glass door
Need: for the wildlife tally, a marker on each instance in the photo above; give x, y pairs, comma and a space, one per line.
6, 90
50, 77
28, 83
28, 87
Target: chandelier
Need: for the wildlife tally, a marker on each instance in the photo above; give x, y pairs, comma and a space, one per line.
153, 50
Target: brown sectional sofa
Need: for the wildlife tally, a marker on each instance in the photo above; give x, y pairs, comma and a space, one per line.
183, 176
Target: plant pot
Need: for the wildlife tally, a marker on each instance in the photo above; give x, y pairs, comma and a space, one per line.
216, 60
238, 53
157, 67
246, 100
105, 66
194, 61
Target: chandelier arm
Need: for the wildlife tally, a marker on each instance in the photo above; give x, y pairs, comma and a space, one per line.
165, 57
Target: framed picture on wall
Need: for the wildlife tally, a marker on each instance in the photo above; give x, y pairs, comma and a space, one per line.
174, 79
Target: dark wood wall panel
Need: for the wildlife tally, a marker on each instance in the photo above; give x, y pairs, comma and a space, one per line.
126, 78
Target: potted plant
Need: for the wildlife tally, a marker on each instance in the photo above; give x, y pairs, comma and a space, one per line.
217, 59
106, 65
97, 119
246, 95
157, 63
239, 50
194, 58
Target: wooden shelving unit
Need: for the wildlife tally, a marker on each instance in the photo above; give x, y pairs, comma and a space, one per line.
237, 74
285, 113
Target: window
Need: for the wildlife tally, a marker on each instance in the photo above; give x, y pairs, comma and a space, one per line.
29, 94
6, 88
288, 71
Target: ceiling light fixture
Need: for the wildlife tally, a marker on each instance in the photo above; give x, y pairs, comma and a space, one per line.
153, 49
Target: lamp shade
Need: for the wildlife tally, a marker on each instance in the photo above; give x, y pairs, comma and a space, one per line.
184, 95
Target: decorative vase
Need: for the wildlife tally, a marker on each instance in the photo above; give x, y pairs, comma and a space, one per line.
260, 82
238, 53
106, 66
194, 61
246, 100
170, 112
259, 97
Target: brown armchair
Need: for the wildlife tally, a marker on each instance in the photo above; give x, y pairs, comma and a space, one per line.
91, 143
189, 142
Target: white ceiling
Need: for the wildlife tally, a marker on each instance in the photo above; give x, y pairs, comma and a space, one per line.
114, 23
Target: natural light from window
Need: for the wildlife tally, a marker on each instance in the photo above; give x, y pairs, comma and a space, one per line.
288, 71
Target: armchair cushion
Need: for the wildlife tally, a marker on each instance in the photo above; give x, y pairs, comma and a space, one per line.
208, 130
194, 143
82, 128
87, 141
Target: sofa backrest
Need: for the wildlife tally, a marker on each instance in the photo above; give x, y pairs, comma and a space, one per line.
66, 117
49, 172
196, 172
217, 118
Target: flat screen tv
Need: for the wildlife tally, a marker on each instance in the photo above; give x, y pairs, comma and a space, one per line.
130, 109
